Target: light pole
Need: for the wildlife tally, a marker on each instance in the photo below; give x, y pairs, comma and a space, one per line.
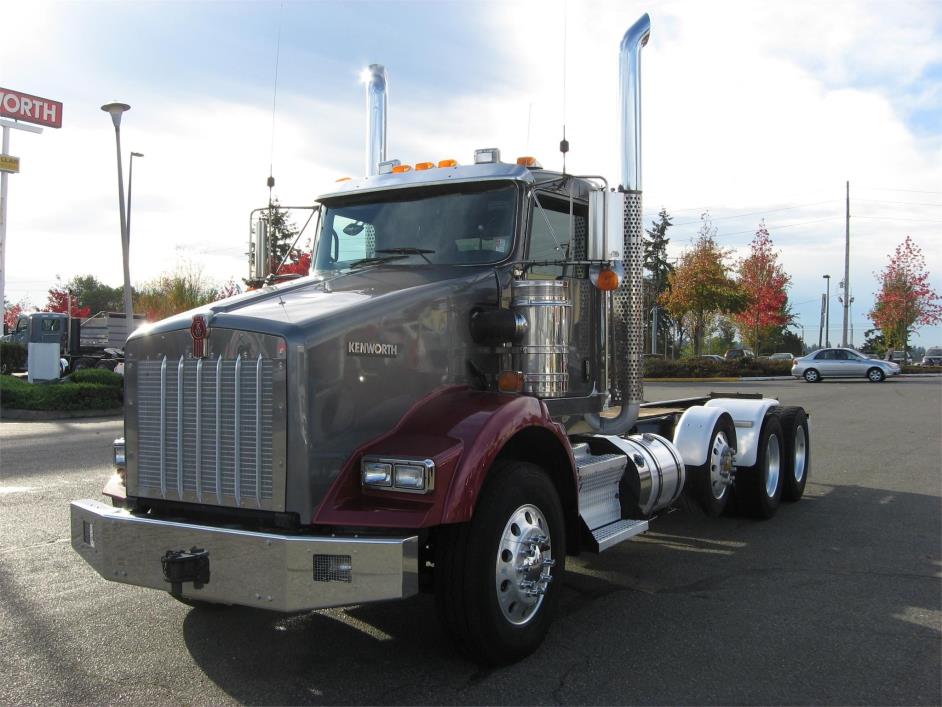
130, 182
802, 327
827, 313
116, 109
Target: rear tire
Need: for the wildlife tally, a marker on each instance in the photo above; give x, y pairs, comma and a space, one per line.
708, 485
875, 375
759, 487
812, 375
796, 459
482, 568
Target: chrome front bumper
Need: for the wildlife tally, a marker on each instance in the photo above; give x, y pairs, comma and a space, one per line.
264, 570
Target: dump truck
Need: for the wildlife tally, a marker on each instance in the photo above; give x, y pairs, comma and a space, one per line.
93, 342
451, 402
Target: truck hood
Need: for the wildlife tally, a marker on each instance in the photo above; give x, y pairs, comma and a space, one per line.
290, 308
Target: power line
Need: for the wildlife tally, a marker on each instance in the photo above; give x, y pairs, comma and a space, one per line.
759, 213
906, 203
900, 218
913, 191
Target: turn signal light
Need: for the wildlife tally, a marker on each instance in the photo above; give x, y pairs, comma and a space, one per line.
424, 165
608, 280
448, 163
531, 162
401, 168
510, 382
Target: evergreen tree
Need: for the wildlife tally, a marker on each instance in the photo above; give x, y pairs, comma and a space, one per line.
657, 273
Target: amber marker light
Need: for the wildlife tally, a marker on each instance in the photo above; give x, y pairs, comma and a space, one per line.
510, 382
343, 179
608, 280
528, 161
401, 168
424, 165
448, 163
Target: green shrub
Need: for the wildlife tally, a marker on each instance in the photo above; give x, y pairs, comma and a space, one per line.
922, 369
20, 394
12, 357
705, 368
99, 376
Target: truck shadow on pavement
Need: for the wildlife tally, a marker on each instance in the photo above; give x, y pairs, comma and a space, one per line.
836, 600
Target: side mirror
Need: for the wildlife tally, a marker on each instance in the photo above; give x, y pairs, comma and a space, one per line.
606, 225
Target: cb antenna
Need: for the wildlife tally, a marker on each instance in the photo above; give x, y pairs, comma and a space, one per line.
564, 143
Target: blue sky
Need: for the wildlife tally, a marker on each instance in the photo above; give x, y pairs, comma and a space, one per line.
752, 110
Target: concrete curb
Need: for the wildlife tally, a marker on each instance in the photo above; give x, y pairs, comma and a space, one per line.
46, 415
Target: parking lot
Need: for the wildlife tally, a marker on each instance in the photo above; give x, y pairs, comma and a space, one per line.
836, 600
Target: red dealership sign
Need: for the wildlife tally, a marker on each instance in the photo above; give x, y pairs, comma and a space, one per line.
30, 109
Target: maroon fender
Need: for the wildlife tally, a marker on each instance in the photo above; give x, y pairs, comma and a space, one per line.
462, 431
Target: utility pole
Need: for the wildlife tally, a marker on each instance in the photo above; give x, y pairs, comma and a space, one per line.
827, 313
846, 283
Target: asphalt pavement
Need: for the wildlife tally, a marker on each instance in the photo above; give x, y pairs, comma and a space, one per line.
836, 600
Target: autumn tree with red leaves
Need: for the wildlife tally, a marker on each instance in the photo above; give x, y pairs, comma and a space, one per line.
905, 301
765, 285
701, 287
58, 301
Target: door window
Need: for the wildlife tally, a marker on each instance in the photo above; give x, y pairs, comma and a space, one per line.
50, 326
552, 233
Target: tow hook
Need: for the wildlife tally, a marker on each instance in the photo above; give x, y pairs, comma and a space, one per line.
186, 566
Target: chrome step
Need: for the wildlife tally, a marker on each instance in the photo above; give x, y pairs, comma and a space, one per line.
599, 477
619, 531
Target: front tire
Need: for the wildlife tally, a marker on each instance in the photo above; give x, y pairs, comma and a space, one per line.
812, 375
759, 487
875, 375
497, 578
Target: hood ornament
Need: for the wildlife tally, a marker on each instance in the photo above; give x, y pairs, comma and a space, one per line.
199, 330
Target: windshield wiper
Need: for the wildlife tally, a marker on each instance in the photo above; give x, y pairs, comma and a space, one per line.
408, 251
374, 261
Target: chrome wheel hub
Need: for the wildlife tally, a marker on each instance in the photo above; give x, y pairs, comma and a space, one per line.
773, 464
524, 564
721, 465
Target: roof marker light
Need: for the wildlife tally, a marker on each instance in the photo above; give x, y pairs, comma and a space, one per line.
489, 155
528, 161
424, 165
343, 179
448, 163
401, 168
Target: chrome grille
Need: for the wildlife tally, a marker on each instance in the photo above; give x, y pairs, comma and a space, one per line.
205, 430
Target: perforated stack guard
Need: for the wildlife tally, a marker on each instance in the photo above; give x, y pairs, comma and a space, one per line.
628, 311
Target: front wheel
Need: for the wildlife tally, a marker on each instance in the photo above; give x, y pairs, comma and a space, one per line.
497, 578
875, 375
812, 376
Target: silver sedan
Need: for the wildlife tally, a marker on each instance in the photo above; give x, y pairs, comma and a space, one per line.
842, 363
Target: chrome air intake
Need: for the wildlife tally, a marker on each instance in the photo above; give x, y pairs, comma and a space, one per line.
627, 304
377, 102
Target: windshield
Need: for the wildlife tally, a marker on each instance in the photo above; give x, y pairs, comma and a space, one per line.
934, 351
454, 225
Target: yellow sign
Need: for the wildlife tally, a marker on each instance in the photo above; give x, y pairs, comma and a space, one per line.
9, 163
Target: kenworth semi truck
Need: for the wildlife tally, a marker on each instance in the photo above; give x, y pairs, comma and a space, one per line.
450, 402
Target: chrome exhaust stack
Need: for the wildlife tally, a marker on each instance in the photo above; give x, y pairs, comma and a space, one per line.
377, 103
627, 308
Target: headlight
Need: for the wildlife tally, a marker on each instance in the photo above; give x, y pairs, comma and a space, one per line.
117, 453
389, 474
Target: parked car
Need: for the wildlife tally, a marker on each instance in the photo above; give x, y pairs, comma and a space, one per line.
842, 363
901, 357
733, 354
716, 358
783, 356
933, 356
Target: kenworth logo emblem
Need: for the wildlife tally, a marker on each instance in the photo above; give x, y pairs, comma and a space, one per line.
370, 348
198, 330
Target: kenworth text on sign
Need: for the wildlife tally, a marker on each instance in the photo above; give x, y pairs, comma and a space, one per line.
30, 109
450, 402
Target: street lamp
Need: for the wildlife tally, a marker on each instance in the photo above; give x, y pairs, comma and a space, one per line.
116, 109
827, 313
130, 182
802, 327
